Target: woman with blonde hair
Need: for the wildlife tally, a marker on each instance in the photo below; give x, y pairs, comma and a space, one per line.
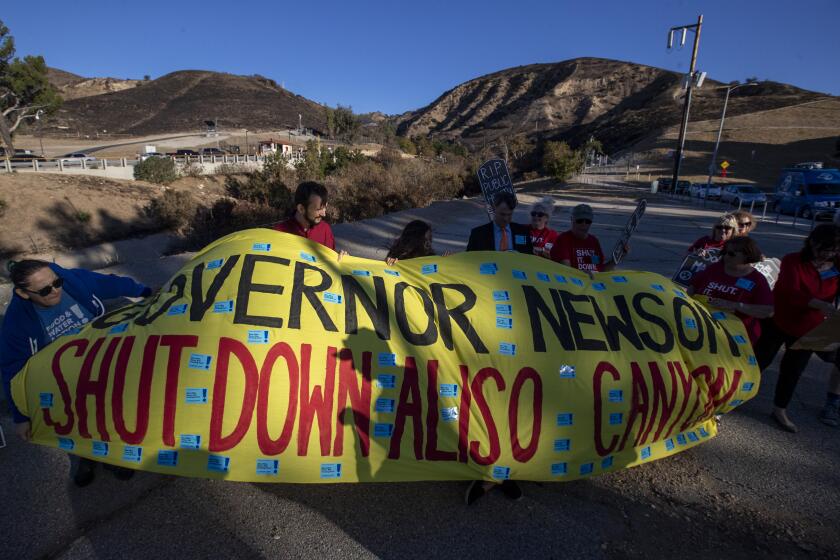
722, 231
542, 236
745, 222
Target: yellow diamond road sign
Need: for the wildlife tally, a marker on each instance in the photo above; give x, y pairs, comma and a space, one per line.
725, 164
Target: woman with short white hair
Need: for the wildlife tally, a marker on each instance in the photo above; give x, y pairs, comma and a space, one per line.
542, 236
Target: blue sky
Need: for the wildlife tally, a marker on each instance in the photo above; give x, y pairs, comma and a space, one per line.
396, 56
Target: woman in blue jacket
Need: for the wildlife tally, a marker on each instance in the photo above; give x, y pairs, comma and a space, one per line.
49, 302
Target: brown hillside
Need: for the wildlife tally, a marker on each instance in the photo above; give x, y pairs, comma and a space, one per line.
182, 101
618, 102
61, 78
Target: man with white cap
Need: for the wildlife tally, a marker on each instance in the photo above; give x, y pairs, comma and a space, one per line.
577, 247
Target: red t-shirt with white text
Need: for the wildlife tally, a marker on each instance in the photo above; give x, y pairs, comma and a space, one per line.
583, 254
543, 240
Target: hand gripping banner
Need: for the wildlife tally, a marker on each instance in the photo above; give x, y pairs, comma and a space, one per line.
266, 359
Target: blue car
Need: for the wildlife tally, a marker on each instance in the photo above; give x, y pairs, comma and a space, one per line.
742, 195
808, 190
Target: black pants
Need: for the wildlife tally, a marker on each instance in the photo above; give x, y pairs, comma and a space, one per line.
793, 363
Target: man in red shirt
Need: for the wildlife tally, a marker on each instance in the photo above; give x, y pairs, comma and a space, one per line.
308, 219
577, 247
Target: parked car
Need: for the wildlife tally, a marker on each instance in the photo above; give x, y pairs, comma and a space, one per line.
664, 184
185, 153
808, 189
147, 155
212, 152
712, 192
26, 157
683, 187
739, 195
77, 158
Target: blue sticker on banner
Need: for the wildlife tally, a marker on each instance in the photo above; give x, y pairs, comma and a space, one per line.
615, 395
390, 272
190, 441
261, 247
691, 323
681, 439
559, 469
507, 348
116, 329
619, 279
196, 395
599, 286
504, 323
448, 390
616, 418
223, 306
607, 462
719, 315
501, 295
268, 467
560, 278
258, 337
562, 444
692, 436
66, 443
745, 284
132, 453
748, 386
167, 458
703, 432
330, 297
680, 293
577, 281
46, 400
658, 287
199, 361
428, 269
218, 463
736, 402
179, 309
501, 473
330, 470
100, 448
519, 239
504, 309
739, 339
488, 268
669, 444
387, 359
386, 381
587, 468
216, 263
565, 419
384, 405
360, 273
383, 430
307, 257
566, 371
542, 276
646, 453
519, 275
752, 361
449, 414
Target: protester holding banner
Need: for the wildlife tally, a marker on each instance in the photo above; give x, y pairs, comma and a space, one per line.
732, 284
501, 234
804, 297
308, 218
722, 231
577, 247
414, 241
50, 302
542, 236
746, 222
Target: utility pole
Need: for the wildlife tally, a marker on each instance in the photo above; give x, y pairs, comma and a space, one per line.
713, 163
687, 105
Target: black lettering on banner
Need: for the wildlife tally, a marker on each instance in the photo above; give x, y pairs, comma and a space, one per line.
614, 326
457, 314
575, 320
247, 285
538, 309
679, 305
377, 312
117, 316
668, 343
300, 289
201, 302
425, 338
179, 283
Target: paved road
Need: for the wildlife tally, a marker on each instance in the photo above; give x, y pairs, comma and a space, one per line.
753, 490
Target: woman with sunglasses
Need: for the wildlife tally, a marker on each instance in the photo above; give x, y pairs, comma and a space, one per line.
722, 231
745, 222
50, 302
805, 296
542, 236
732, 284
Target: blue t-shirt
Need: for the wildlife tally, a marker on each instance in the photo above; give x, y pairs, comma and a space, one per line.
68, 317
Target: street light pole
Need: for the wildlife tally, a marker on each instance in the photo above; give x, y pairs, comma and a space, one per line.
713, 163
681, 142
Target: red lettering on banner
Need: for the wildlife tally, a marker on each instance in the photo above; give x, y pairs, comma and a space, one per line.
64, 429
662, 407
85, 387
320, 402
359, 400
685, 381
229, 347
639, 405
176, 344
600, 370
523, 454
464, 416
144, 390
433, 417
492, 434
414, 408
277, 446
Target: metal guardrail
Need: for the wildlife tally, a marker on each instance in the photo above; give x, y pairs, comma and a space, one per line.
57, 163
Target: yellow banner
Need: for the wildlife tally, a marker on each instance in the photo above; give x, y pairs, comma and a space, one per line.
265, 359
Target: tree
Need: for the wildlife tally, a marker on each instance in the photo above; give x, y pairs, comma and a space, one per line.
592, 148
346, 123
560, 161
25, 92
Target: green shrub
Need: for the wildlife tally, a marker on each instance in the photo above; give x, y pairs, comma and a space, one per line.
226, 216
156, 170
192, 169
82, 216
560, 161
173, 209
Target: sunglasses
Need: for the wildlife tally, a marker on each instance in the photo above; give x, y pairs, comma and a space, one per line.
538, 214
725, 228
46, 290
583, 221
744, 224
